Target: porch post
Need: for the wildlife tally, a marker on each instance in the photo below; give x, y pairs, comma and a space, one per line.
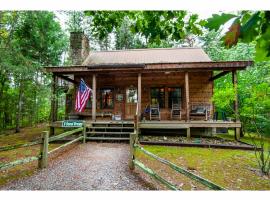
139, 96
234, 80
53, 103
187, 96
94, 87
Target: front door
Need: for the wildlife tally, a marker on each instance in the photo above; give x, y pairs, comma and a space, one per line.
131, 102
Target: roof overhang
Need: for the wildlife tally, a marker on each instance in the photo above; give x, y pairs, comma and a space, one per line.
150, 67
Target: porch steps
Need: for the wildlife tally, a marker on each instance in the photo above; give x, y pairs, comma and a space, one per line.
108, 138
110, 131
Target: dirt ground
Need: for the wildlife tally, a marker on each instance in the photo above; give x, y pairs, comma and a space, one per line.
90, 166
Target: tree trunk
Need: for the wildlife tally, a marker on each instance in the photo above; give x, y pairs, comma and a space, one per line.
19, 108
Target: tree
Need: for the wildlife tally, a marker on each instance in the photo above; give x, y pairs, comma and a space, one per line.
29, 40
155, 27
125, 39
253, 93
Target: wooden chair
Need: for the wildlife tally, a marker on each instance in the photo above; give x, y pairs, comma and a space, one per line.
154, 112
176, 111
200, 110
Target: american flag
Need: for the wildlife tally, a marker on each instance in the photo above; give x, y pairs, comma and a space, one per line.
82, 96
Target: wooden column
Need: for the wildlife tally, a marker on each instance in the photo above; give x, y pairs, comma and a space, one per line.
234, 80
187, 96
53, 103
188, 133
139, 96
94, 102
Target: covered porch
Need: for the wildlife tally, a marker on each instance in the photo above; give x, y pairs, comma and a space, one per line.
123, 93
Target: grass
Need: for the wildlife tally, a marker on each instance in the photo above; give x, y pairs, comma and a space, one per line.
247, 138
232, 169
26, 135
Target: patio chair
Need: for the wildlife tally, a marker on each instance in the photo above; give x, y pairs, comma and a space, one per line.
176, 111
200, 110
154, 112
145, 113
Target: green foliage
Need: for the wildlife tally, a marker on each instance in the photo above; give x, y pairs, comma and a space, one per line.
156, 27
28, 41
223, 99
247, 27
216, 20
253, 95
125, 39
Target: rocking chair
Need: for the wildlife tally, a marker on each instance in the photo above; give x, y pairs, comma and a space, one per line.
154, 112
176, 111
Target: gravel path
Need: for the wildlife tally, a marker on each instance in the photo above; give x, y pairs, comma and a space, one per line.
90, 166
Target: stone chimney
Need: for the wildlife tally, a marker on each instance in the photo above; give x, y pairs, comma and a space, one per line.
79, 47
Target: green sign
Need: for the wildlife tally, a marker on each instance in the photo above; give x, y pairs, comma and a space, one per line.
70, 123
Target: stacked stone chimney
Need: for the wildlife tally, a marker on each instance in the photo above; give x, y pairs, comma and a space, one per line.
79, 47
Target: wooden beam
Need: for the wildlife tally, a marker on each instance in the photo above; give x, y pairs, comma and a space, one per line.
187, 96
94, 88
155, 175
53, 103
219, 75
132, 137
139, 96
234, 80
67, 79
181, 170
237, 134
188, 133
43, 161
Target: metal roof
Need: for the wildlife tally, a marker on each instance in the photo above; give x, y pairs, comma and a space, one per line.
146, 56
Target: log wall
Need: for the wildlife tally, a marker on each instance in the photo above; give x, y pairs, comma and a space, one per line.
200, 89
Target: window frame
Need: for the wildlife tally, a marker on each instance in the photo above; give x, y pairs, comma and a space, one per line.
170, 98
158, 97
129, 88
101, 97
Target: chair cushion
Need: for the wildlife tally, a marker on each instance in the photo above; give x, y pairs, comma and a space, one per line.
201, 110
194, 110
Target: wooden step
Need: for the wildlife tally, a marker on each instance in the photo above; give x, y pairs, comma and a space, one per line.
114, 123
106, 138
110, 127
108, 133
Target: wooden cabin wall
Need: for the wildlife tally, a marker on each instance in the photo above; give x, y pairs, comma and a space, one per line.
200, 89
119, 83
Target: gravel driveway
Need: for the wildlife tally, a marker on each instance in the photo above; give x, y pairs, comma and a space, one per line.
90, 166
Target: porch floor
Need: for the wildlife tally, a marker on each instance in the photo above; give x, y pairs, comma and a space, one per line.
190, 124
165, 124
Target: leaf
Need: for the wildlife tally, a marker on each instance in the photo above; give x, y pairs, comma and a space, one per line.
263, 46
250, 30
231, 37
217, 20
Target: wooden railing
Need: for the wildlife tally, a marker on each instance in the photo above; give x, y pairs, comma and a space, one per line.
44, 144
134, 162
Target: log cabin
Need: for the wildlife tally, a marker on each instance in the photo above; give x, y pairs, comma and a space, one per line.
164, 88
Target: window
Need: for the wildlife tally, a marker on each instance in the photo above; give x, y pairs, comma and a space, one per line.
131, 95
89, 103
106, 98
174, 95
158, 96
